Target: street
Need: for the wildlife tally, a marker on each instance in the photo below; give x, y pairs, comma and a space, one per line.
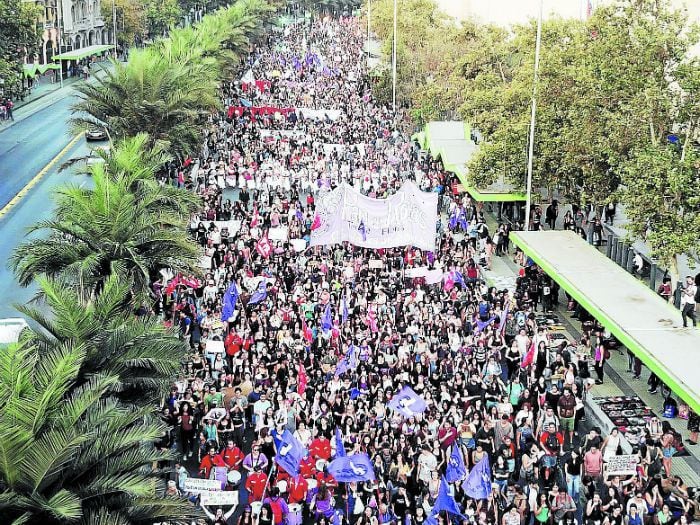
25, 150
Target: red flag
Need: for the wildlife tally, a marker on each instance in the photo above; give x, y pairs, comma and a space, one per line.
173, 284
307, 332
529, 356
317, 222
301, 383
264, 246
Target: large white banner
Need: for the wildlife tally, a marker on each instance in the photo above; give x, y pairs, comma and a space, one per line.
407, 218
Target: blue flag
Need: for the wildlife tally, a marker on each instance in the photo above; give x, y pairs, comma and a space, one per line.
407, 402
260, 294
356, 467
353, 357
478, 483
456, 470
345, 310
230, 300
446, 502
453, 220
327, 321
289, 453
342, 367
339, 447
462, 218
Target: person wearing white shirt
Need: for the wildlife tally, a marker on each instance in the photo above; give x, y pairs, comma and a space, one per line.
688, 301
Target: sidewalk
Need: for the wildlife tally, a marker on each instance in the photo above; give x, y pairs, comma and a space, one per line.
618, 382
46, 94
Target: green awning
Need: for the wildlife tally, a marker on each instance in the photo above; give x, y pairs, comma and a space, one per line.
450, 141
81, 53
31, 70
641, 320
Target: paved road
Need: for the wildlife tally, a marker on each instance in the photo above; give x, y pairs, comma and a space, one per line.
29, 145
25, 149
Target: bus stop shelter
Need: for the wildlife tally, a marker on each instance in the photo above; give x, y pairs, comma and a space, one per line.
642, 321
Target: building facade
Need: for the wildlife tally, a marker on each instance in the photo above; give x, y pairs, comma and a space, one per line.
82, 24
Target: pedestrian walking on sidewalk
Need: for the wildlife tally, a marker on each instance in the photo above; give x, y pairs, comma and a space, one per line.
688, 301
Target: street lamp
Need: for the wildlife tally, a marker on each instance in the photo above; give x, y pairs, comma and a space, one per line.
528, 194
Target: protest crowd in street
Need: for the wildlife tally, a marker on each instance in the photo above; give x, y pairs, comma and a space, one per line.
341, 384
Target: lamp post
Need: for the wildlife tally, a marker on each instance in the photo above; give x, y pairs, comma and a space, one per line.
528, 195
114, 26
59, 17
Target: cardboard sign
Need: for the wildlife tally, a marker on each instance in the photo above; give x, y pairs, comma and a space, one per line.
199, 485
623, 465
219, 498
376, 264
278, 234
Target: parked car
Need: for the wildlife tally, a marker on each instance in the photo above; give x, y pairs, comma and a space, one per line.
95, 134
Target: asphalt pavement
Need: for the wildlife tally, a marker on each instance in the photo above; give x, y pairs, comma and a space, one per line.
26, 149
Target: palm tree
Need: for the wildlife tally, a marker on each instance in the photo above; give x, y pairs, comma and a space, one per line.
139, 351
74, 455
137, 163
106, 230
169, 89
168, 101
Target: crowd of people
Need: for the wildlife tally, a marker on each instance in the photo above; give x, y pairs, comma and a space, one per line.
494, 378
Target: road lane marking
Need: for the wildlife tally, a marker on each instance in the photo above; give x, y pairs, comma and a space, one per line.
35, 180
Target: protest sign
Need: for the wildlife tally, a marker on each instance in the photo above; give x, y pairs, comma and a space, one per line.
199, 485
407, 218
219, 498
622, 465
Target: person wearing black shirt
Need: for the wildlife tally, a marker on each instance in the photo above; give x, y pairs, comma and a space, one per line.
401, 504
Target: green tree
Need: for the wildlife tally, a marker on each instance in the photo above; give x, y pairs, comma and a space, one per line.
162, 15
426, 38
139, 352
662, 201
131, 20
73, 454
169, 89
19, 38
103, 231
168, 101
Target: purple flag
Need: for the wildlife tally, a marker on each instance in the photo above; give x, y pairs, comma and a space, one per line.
260, 294
478, 483
289, 453
230, 300
345, 310
356, 467
327, 321
407, 403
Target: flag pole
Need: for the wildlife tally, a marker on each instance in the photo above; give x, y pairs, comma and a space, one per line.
533, 115
393, 61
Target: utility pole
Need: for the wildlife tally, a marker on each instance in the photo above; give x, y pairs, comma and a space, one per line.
114, 26
59, 17
528, 195
393, 62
